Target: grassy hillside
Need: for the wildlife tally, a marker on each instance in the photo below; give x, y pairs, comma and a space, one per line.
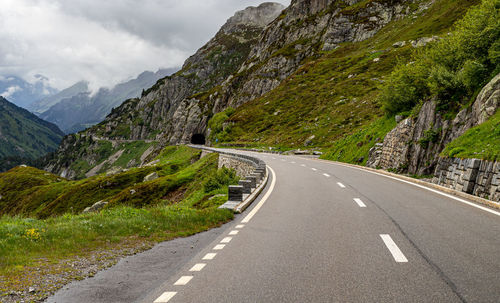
481, 142
334, 99
23, 134
43, 224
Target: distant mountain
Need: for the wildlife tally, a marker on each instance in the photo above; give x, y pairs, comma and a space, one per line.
23, 135
23, 93
75, 108
46, 103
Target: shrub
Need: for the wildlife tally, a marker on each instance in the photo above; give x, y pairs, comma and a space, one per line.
452, 69
223, 177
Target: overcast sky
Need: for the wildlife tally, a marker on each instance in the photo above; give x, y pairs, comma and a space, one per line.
105, 41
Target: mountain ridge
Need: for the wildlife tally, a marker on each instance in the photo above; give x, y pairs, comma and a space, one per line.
23, 135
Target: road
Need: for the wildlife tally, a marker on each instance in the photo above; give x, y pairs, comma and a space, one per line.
322, 232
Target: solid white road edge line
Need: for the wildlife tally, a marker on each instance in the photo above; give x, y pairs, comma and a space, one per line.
183, 280
491, 211
198, 267
263, 200
165, 297
394, 249
360, 203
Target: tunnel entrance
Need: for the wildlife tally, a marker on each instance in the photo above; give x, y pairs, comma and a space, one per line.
198, 139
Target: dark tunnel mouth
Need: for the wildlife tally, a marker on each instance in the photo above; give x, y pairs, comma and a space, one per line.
198, 139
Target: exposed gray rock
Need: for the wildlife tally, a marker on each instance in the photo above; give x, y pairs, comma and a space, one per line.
151, 177
415, 144
399, 44
421, 42
95, 207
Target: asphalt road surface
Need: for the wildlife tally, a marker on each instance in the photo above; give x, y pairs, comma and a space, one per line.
320, 232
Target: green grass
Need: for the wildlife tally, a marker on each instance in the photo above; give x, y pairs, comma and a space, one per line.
32, 192
26, 243
45, 220
481, 142
354, 148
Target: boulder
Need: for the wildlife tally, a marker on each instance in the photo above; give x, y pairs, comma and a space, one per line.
96, 207
151, 177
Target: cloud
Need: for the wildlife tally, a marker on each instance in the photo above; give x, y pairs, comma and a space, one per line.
105, 42
10, 91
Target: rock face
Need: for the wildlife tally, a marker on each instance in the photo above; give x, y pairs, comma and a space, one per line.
415, 144
151, 177
96, 207
252, 54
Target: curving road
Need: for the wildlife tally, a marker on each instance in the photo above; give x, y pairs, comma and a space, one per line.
321, 232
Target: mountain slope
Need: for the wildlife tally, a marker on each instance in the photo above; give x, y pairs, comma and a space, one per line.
44, 104
169, 111
23, 134
77, 108
336, 93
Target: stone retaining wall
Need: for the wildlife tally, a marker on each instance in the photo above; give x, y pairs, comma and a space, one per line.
242, 167
473, 176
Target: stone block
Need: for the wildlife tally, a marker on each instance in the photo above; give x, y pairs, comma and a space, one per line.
474, 163
247, 186
235, 193
470, 174
253, 181
468, 187
258, 177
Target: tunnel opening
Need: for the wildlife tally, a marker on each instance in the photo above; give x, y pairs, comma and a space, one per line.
198, 139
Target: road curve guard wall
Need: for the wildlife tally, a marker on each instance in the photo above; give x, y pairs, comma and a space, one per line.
251, 170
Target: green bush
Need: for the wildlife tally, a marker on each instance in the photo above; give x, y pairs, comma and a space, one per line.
223, 177
452, 69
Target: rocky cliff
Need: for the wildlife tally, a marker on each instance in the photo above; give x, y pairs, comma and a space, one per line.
416, 142
255, 51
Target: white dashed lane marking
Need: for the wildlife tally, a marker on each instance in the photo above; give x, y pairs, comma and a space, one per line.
219, 246
293, 162
198, 267
233, 232
394, 249
240, 225
326, 175
314, 169
303, 165
341, 185
359, 202
165, 297
183, 280
209, 256
226, 240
